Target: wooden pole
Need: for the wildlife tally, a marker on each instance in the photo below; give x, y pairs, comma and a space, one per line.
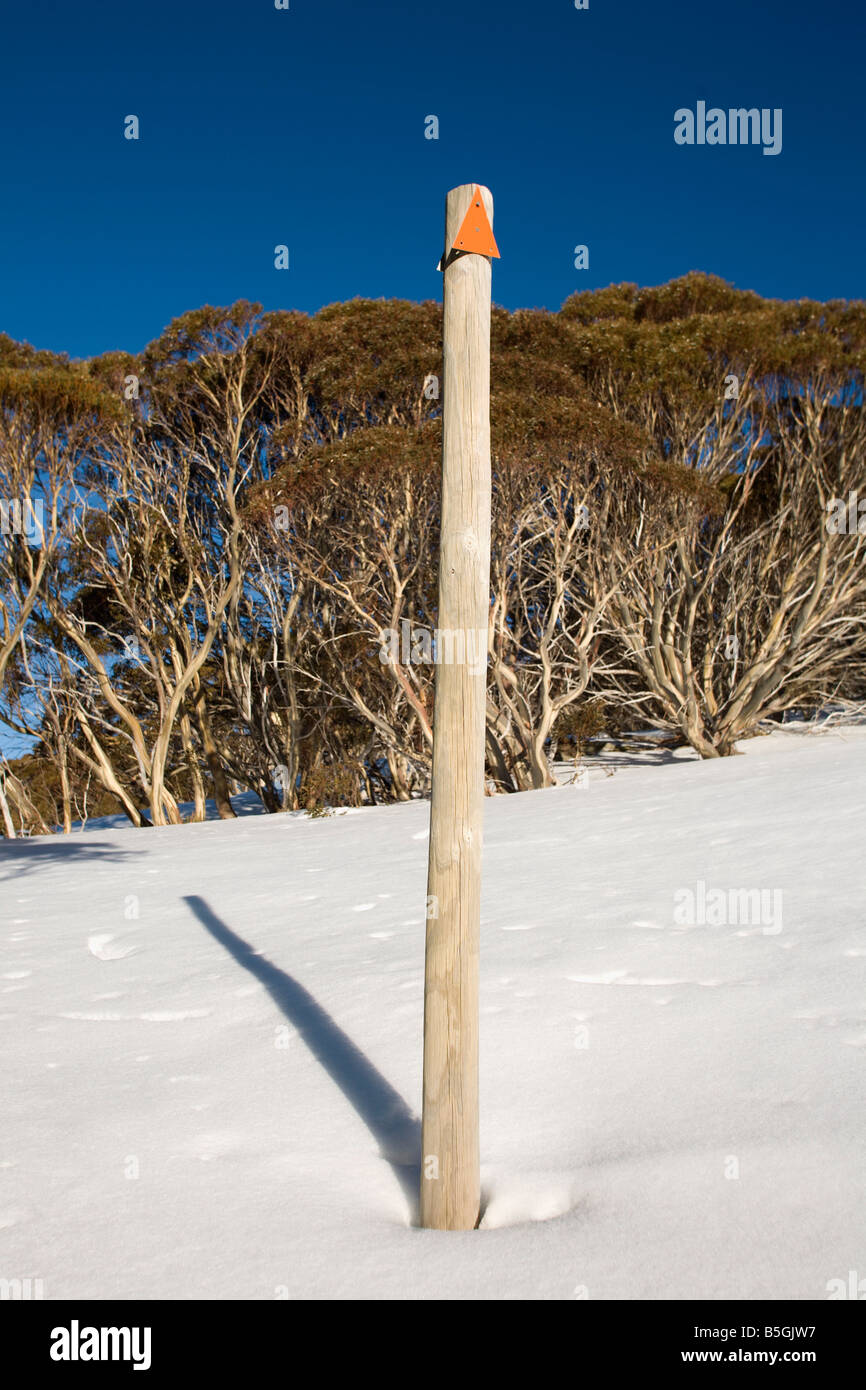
450, 1177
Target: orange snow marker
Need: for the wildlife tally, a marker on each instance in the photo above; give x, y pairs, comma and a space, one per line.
476, 233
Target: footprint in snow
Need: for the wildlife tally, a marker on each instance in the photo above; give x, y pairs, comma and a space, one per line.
101, 947
93, 1017
173, 1015
11, 1217
609, 978
622, 977
211, 1146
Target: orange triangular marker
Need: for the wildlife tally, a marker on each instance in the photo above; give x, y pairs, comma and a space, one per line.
476, 233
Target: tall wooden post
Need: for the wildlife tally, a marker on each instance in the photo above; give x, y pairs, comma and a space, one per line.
450, 1178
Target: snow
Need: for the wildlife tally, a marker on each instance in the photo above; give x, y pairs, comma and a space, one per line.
212, 1046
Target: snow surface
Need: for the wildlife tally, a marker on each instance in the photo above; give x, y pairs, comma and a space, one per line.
249, 1045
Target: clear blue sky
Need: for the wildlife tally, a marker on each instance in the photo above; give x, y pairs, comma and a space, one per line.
306, 127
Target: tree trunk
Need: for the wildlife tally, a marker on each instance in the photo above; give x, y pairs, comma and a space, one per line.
218, 778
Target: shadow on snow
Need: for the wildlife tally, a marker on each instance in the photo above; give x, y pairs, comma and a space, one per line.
384, 1112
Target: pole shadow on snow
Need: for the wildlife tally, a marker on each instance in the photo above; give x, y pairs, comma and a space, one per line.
383, 1110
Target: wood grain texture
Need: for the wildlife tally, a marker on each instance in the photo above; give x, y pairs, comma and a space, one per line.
450, 1178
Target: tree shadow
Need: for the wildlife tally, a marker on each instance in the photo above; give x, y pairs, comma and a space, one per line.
640, 757
387, 1116
26, 856
627, 752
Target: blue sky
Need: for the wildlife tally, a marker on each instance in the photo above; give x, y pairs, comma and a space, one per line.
305, 127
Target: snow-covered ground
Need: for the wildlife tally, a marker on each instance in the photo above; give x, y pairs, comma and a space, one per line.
211, 1042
